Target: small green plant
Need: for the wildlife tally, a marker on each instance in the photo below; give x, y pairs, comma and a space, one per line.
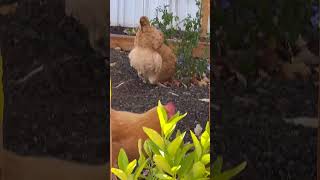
188, 39
163, 156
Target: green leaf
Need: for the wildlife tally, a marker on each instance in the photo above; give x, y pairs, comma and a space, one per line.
205, 141
162, 114
197, 145
175, 144
130, 167
176, 119
186, 164
175, 169
139, 169
162, 163
181, 154
217, 166
168, 129
198, 170
208, 127
228, 174
141, 157
178, 133
119, 173
163, 176
154, 148
154, 136
205, 159
123, 160
147, 147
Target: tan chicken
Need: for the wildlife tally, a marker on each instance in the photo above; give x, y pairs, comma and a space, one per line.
126, 129
154, 61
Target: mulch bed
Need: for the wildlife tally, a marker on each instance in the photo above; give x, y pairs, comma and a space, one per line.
59, 111
256, 133
129, 93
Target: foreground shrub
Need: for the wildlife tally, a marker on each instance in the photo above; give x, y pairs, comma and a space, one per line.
164, 156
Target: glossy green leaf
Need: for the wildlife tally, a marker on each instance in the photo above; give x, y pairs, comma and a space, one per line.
162, 163
228, 174
141, 157
139, 169
147, 148
175, 144
183, 152
131, 167
163, 176
198, 170
205, 141
178, 133
154, 136
162, 114
217, 165
175, 169
153, 147
197, 146
168, 129
176, 119
119, 173
205, 159
208, 127
186, 164
123, 160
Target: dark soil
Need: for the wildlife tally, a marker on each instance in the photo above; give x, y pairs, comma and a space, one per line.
61, 110
256, 132
135, 96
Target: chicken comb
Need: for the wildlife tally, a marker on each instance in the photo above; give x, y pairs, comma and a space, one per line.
170, 108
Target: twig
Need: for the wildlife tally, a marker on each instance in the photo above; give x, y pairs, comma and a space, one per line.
29, 75
122, 83
119, 85
174, 94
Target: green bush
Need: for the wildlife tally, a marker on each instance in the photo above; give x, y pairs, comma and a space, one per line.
187, 40
163, 156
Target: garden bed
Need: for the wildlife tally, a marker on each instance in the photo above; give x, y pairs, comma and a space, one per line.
249, 126
129, 93
119, 39
60, 110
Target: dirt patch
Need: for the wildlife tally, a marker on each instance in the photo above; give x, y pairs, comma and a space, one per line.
135, 96
250, 127
61, 110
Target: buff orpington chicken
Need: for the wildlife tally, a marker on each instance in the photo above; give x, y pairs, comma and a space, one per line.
154, 61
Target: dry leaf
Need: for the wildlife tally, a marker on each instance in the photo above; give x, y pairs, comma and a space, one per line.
173, 93
304, 121
306, 56
241, 78
117, 48
204, 100
289, 71
197, 130
8, 9
202, 83
113, 64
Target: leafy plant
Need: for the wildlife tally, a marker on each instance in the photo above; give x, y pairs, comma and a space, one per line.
188, 39
164, 156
